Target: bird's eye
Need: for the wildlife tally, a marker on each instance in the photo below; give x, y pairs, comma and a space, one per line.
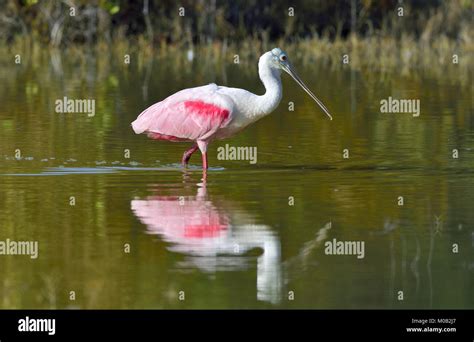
283, 58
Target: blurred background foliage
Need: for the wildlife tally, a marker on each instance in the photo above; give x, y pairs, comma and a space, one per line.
230, 22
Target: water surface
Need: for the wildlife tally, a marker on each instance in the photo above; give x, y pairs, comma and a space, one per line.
250, 236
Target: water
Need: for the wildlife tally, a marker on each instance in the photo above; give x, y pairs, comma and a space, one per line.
250, 236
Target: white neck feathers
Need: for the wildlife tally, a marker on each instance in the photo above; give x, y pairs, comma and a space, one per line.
270, 77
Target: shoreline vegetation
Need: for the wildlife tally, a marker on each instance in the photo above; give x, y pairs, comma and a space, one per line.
383, 35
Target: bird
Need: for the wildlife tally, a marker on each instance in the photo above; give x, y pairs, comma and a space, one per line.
203, 114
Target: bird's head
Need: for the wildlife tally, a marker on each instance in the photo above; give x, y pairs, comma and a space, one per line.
278, 59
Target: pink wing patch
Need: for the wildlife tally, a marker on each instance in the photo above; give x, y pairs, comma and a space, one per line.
183, 116
208, 111
159, 136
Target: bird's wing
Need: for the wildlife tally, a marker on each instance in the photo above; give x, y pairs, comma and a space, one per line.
194, 114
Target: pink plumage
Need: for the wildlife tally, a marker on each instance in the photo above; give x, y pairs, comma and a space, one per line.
191, 114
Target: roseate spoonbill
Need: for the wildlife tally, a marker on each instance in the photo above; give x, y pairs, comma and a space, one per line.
210, 112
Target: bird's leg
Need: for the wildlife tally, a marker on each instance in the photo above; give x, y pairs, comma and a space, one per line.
203, 147
187, 155
204, 161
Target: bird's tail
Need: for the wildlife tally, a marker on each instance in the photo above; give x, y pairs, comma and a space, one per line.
137, 126
142, 122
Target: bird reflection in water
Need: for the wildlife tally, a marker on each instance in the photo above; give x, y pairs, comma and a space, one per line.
213, 238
